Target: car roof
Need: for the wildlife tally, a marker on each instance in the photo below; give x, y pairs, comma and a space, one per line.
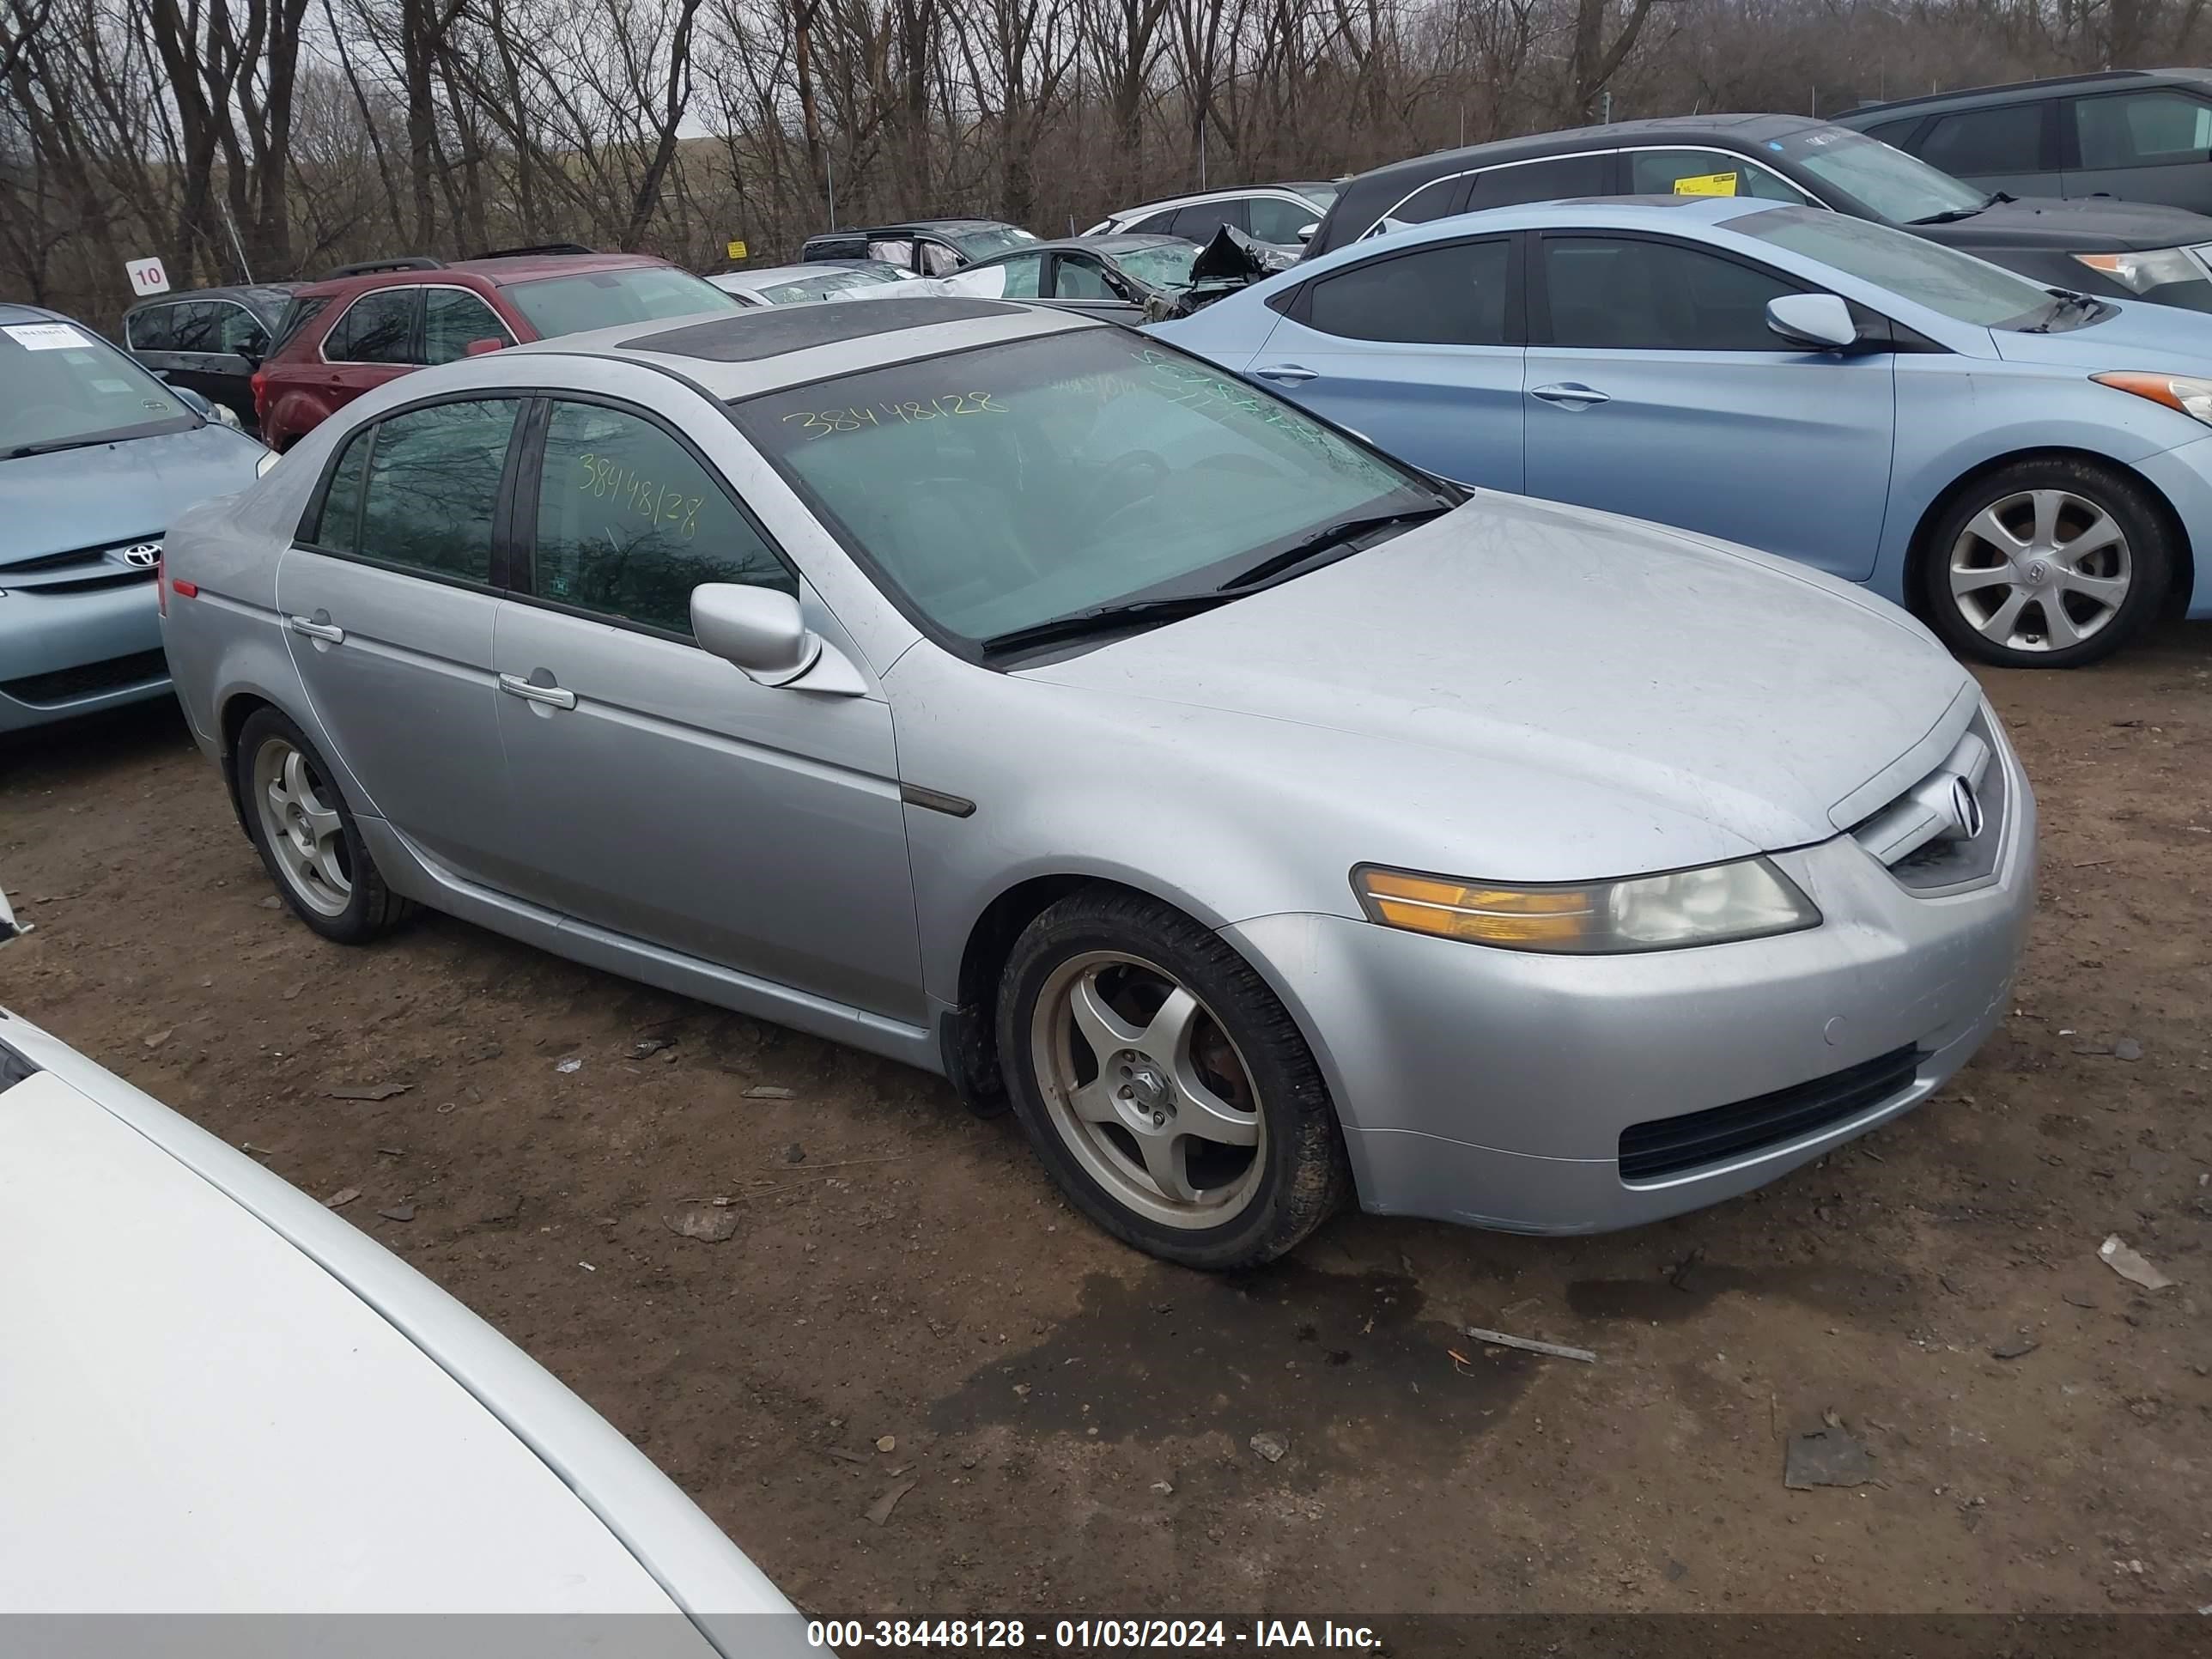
268, 294
499, 273
14, 312
739, 353
898, 226
1116, 241
1225, 192
2006, 92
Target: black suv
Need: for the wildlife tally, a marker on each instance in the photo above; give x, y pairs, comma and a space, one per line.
2141, 134
210, 340
2123, 250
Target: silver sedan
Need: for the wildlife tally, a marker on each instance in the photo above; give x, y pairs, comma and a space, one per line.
1268, 824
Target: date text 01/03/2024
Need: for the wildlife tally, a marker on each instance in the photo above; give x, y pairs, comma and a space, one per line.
1089, 1635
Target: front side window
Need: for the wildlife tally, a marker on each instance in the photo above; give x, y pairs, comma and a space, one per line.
1453, 296
1274, 220
2005, 139
454, 320
607, 299
1081, 279
239, 333
433, 486
997, 488
1886, 183
2142, 130
1962, 287
1202, 221
1553, 180
1017, 278
1704, 172
629, 522
298, 313
377, 328
1642, 295
1154, 224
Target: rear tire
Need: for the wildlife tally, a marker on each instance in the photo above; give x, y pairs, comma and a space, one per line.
1163, 1086
2049, 563
306, 834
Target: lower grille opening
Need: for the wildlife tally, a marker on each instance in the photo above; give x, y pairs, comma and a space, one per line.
85, 680
1669, 1145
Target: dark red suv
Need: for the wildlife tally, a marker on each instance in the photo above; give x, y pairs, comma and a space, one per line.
364, 324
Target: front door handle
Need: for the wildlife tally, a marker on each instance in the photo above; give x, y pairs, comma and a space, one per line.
319, 626
553, 697
1288, 373
1569, 394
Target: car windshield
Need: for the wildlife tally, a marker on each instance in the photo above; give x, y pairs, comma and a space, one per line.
1000, 487
822, 284
1887, 183
604, 299
1321, 195
988, 240
1166, 265
66, 388
1960, 286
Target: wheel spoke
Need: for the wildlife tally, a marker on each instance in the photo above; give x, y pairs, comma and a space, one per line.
1102, 1028
2099, 535
2105, 590
1969, 579
278, 800
1985, 525
1093, 1103
1167, 1039
2057, 627
1164, 1163
2047, 503
1201, 1112
2000, 624
295, 777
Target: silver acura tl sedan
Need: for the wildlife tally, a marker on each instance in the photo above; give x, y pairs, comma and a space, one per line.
1267, 823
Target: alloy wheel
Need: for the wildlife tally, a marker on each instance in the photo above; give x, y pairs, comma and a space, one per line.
1148, 1089
2041, 570
299, 821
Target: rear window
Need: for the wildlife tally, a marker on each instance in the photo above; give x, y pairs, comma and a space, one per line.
604, 299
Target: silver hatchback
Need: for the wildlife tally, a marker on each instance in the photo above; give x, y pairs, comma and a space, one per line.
1266, 823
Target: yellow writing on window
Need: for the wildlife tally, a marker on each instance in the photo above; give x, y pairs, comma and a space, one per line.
821, 422
1706, 184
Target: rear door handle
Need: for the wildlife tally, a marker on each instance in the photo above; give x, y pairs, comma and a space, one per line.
330, 632
1288, 373
1569, 394
553, 697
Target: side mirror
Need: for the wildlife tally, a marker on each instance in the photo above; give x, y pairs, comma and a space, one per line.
1306, 232
1821, 321
479, 347
756, 629
192, 400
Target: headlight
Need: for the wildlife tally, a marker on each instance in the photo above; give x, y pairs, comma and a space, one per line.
1748, 899
2192, 397
2139, 273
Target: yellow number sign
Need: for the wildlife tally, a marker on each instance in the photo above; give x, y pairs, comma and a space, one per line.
1706, 184
738, 248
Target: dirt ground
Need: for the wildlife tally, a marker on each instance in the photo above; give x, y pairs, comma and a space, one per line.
1077, 1419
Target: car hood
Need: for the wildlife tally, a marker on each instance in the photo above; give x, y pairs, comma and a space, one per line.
201, 1417
114, 492
2083, 225
1727, 702
2136, 335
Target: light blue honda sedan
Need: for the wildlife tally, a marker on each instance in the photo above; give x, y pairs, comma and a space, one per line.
2030, 470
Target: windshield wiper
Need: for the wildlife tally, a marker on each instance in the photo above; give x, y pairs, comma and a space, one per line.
1104, 618
54, 446
2064, 299
1324, 540
1950, 216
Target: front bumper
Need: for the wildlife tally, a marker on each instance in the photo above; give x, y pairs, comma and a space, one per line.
1493, 1087
66, 654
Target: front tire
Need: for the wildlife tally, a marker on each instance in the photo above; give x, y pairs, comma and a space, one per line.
306, 834
2048, 563
1163, 1086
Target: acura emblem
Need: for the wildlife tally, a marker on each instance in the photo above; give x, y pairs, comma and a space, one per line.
1965, 810
144, 555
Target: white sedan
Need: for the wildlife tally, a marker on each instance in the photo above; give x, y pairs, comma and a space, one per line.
216, 1396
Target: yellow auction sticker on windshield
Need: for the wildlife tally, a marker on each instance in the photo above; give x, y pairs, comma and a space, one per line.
1706, 184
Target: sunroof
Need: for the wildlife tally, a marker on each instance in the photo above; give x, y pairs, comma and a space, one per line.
756, 335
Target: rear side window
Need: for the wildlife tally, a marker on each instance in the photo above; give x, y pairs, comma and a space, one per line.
1539, 181
2007, 139
1453, 296
452, 320
1154, 224
337, 524
1655, 296
629, 522
433, 487
153, 329
1434, 200
2142, 130
377, 328
1202, 221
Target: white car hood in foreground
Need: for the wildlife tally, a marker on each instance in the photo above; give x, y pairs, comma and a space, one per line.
1708, 681
199, 1415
